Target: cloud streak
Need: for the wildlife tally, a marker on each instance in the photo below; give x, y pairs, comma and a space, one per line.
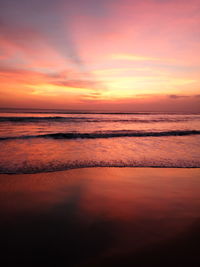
133, 57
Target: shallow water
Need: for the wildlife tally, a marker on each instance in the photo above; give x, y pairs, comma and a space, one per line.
41, 142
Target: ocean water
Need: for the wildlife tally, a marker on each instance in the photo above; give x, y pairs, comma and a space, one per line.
46, 141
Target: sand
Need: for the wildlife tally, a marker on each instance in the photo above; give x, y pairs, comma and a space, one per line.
101, 217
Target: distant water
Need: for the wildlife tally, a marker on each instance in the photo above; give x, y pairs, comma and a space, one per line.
39, 141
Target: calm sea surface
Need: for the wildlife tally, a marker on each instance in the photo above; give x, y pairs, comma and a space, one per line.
52, 141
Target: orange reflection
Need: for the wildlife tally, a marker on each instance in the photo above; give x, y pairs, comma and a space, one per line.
125, 209
115, 193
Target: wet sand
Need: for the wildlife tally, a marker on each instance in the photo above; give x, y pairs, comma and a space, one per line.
101, 217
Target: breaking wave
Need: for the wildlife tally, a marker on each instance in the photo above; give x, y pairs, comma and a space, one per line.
53, 167
104, 134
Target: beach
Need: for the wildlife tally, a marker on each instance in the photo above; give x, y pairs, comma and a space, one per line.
101, 217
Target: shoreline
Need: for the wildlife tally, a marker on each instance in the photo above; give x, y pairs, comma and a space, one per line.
99, 167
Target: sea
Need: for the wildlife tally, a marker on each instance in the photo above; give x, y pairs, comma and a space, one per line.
34, 141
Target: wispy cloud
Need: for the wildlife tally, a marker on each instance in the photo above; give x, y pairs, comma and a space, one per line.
78, 84
132, 57
178, 96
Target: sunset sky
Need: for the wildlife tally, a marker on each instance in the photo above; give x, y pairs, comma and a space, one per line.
129, 55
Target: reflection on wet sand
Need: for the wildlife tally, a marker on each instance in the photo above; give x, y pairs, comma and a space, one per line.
101, 217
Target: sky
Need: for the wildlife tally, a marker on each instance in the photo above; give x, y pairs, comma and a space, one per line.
126, 55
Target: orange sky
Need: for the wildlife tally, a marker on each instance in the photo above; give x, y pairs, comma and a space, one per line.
130, 55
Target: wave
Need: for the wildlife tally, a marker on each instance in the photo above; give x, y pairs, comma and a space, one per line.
89, 119
52, 167
105, 134
40, 119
